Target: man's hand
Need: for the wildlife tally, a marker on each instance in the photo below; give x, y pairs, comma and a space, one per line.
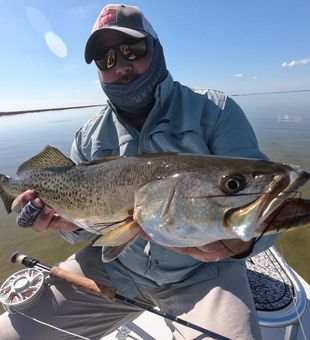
212, 252
216, 251
47, 219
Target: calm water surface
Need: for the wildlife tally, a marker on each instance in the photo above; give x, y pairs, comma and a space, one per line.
281, 125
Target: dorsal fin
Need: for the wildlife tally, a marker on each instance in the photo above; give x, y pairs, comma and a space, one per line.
113, 158
102, 160
157, 154
49, 157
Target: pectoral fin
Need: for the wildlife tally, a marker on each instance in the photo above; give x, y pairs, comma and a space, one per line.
111, 253
119, 236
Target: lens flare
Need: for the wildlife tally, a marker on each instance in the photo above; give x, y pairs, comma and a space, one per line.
44, 28
56, 44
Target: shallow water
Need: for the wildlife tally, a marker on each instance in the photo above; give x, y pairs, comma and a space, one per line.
21, 137
282, 128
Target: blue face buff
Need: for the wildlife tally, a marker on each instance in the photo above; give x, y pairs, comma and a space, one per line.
137, 96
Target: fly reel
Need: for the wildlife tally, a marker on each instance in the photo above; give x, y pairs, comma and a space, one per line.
22, 289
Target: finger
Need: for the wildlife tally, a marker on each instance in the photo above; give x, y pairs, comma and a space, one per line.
59, 223
28, 215
206, 257
212, 248
43, 220
201, 255
237, 246
181, 250
21, 200
26, 196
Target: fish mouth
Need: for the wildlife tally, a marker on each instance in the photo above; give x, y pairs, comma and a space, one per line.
244, 220
292, 213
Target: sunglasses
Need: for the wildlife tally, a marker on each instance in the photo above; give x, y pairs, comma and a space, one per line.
129, 51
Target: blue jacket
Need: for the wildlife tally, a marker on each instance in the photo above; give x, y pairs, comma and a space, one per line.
180, 121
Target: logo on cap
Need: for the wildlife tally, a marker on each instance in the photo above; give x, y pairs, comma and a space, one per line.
107, 16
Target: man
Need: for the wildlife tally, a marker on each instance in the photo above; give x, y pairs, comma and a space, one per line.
147, 112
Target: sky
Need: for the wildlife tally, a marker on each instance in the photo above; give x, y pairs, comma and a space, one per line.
236, 46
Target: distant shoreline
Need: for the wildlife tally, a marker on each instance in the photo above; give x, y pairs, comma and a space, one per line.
8, 113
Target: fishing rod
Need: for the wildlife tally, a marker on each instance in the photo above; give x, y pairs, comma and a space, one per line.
18, 284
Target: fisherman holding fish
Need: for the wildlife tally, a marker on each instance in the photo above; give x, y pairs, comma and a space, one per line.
148, 112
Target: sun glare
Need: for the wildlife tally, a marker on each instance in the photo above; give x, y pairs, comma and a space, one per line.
56, 44
44, 28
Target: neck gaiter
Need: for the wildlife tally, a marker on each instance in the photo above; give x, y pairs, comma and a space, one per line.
137, 96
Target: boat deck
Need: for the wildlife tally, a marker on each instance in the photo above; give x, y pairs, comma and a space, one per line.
276, 288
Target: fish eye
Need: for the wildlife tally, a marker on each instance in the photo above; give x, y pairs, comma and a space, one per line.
232, 184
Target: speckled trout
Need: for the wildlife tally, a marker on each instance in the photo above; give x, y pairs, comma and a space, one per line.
179, 200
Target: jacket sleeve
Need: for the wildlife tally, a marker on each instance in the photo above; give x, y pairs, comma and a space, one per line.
232, 135
76, 235
76, 153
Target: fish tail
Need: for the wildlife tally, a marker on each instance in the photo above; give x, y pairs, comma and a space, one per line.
7, 198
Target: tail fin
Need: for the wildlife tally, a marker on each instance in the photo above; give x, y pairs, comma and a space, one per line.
7, 199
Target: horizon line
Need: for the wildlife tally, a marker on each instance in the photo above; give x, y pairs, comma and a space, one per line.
7, 113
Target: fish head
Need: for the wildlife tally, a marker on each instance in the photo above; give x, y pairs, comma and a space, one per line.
227, 198
272, 185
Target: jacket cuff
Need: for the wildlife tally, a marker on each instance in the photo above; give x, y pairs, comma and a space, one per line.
76, 235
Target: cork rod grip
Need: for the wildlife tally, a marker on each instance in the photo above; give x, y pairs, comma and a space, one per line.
83, 283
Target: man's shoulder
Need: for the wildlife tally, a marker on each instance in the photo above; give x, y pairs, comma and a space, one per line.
207, 91
90, 135
216, 96
95, 120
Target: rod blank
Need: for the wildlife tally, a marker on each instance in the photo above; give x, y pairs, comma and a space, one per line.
107, 293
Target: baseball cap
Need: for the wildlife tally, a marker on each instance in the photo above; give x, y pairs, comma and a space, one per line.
123, 18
